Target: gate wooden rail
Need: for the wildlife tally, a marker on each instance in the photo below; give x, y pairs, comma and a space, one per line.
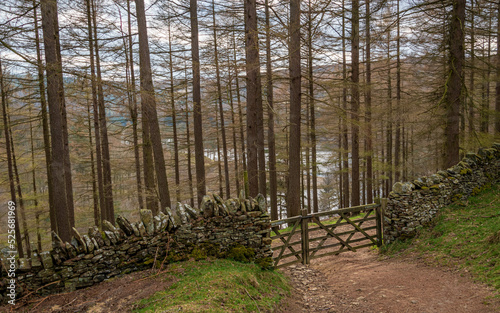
308, 236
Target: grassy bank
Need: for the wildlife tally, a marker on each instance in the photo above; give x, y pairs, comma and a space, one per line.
218, 286
465, 235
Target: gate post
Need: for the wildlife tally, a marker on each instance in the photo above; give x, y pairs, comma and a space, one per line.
380, 221
305, 237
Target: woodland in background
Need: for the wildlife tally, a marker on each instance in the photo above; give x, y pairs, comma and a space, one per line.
111, 106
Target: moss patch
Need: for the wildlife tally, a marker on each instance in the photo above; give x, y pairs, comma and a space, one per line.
241, 254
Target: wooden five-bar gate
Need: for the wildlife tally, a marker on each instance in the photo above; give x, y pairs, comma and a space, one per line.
311, 236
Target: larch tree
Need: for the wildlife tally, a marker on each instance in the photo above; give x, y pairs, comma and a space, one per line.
294, 157
149, 107
197, 115
6, 129
355, 192
254, 98
271, 141
454, 94
55, 94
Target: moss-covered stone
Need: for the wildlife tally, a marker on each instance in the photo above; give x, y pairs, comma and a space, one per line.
265, 263
198, 254
241, 254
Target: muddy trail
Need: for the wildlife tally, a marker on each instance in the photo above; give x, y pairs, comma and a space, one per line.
366, 282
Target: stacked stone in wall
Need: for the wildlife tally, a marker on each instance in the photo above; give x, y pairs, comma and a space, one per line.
412, 205
215, 230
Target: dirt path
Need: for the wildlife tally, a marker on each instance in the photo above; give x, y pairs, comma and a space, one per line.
350, 282
361, 282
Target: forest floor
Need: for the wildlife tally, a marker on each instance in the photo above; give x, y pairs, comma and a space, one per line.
351, 282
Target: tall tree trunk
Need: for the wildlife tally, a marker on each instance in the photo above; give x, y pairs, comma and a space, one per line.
497, 99
312, 116
33, 183
219, 167
95, 106
293, 196
233, 121
17, 229
221, 109
22, 209
188, 139
133, 109
340, 175
45, 119
254, 99
67, 161
355, 196
54, 87
389, 164
345, 140
368, 119
397, 142
174, 117
240, 114
472, 72
271, 141
95, 193
454, 90
149, 107
198, 126
109, 212
307, 185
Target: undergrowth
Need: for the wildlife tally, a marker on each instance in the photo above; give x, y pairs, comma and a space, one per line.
218, 285
465, 236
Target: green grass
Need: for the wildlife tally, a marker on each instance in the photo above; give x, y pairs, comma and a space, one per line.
218, 286
464, 236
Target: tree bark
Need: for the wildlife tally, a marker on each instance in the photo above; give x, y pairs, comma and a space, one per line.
198, 123
95, 106
149, 107
368, 119
20, 204
312, 117
355, 196
271, 141
45, 119
345, 141
254, 99
54, 79
221, 109
95, 193
497, 88
174, 118
454, 90
240, 115
109, 212
397, 142
17, 229
133, 109
472, 72
293, 192
233, 121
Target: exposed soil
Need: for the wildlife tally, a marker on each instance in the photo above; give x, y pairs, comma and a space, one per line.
116, 295
362, 282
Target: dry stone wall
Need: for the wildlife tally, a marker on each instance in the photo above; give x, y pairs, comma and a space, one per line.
237, 228
412, 205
